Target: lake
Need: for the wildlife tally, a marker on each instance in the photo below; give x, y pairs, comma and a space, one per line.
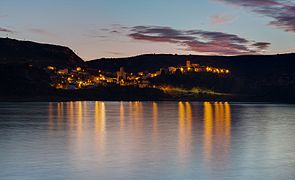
146, 140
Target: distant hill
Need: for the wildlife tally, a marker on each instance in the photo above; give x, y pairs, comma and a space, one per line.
26, 52
250, 65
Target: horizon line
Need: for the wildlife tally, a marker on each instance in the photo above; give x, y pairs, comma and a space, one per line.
133, 56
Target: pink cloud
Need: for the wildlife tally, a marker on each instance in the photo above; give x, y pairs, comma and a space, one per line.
220, 19
210, 42
281, 11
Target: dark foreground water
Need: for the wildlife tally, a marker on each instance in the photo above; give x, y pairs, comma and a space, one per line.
146, 140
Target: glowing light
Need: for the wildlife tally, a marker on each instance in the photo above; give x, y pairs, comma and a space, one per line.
217, 126
188, 109
122, 115
79, 119
100, 118
184, 130
71, 113
155, 121
51, 68
208, 129
60, 109
155, 116
227, 121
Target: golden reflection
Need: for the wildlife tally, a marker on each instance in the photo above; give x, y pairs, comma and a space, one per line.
140, 108
217, 124
181, 115
181, 129
188, 109
100, 126
217, 120
155, 116
100, 118
137, 113
79, 118
184, 130
122, 115
208, 128
227, 122
70, 114
59, 114
155, 120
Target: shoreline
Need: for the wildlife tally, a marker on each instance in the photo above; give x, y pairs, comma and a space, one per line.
64, 99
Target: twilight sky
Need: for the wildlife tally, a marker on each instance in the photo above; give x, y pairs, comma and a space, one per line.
119, 28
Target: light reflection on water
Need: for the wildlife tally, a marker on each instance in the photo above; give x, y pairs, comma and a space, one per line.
146, 140
217, 136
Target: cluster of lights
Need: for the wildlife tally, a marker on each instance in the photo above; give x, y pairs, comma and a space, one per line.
133, 78
217, 70
154, 75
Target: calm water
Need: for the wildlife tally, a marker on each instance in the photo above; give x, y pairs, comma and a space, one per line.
146, 140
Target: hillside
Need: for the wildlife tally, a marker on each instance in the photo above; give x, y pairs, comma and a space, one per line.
40, 55
22, 63
239, 65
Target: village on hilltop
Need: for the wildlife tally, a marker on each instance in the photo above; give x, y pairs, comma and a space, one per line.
79, 78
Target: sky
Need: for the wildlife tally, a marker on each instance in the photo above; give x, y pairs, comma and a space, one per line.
121, 28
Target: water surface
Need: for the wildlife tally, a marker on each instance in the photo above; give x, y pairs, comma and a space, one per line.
146, 140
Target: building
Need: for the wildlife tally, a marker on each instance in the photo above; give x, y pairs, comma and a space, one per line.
172, 69
121, 75
188, 64
63, 71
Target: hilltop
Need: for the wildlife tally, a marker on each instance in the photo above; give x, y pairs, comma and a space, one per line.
26, 52
240, 65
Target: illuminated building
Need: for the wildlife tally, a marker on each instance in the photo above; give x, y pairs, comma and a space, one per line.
63, 71
188, 64
51, 68
172, 69
121, 75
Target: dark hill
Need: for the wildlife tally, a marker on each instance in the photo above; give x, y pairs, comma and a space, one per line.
40, 55
239, 65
